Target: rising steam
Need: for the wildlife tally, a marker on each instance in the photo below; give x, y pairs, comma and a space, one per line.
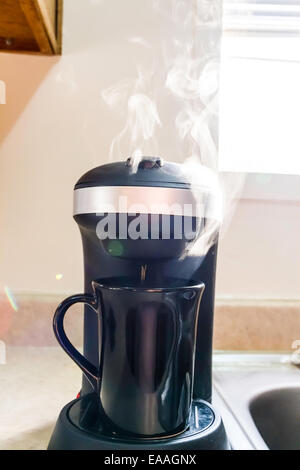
137, 138
185, 73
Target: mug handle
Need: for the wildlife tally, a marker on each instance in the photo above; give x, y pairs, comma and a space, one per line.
90, 371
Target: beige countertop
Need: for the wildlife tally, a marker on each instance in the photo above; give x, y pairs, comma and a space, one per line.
36, 382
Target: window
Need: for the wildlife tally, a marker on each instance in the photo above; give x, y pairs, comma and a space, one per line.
260, 87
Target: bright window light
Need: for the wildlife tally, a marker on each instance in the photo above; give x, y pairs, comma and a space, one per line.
260, 87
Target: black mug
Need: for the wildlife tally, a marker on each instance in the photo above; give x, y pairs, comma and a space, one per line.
144, 381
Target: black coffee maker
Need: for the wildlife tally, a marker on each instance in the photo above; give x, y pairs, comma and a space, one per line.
140, 223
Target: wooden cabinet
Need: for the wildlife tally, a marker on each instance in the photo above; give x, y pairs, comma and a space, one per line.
31, 26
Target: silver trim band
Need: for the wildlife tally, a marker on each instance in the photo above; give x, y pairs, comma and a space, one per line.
140, 199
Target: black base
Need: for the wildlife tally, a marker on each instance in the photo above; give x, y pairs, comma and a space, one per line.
76, 428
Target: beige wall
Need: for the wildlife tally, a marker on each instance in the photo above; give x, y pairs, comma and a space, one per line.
259, 255
55, 126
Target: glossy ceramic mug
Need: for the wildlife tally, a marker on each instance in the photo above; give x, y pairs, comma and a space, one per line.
144, 381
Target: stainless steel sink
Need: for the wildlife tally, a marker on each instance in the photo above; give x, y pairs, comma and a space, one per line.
276, 414
259, 398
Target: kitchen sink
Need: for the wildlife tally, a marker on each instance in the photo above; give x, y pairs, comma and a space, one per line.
258, 396
276, 414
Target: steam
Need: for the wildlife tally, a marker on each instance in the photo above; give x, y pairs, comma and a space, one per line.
135, 102
142, 117
184, 72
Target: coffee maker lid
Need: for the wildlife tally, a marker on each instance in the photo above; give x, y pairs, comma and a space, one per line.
150, 172
155, 186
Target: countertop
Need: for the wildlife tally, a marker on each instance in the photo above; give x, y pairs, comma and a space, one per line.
36, 382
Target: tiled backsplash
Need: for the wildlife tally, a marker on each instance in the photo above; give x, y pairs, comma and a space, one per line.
31, 323
239, 325
256, 325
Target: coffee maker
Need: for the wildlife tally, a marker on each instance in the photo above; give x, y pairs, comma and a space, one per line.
139, 222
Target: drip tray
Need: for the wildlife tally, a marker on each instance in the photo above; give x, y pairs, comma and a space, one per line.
80, 427
84, 415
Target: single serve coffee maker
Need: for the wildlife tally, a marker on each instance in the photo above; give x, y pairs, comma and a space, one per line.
148, 312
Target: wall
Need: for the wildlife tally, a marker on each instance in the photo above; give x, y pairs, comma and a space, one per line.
259, 255
55, 126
